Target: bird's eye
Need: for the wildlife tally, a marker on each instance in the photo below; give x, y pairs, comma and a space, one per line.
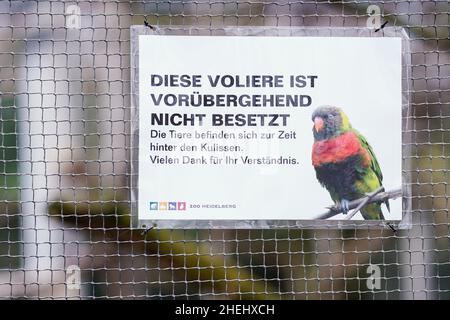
330, 116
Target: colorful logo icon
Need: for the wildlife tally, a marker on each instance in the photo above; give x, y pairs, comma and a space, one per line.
153, 205
181, 205
172, 206
163, 206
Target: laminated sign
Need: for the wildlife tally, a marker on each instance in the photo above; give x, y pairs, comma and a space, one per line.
254, 129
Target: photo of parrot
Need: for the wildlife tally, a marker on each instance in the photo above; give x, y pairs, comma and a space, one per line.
344, 162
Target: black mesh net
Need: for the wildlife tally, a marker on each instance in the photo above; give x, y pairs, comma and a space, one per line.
64, 181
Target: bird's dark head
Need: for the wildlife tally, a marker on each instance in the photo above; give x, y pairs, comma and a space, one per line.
329, 122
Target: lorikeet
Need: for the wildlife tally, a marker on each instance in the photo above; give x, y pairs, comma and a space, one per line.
345, 163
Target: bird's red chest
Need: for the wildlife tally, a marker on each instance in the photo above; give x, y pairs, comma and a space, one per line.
338, 149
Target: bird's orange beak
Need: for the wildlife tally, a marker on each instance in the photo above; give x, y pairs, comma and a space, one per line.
318, 124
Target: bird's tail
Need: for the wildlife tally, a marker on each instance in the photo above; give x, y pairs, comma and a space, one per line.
372, 211
387, 203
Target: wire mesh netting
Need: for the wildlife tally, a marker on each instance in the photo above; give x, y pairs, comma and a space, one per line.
64, 190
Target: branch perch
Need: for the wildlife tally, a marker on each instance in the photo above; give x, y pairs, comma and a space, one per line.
364, 202
376, 196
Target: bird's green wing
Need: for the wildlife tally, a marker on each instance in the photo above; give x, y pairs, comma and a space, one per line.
374, 210
374, 163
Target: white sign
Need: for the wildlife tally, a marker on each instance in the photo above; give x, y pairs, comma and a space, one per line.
248, 128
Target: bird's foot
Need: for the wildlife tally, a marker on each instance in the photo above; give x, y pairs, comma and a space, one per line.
345, 206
